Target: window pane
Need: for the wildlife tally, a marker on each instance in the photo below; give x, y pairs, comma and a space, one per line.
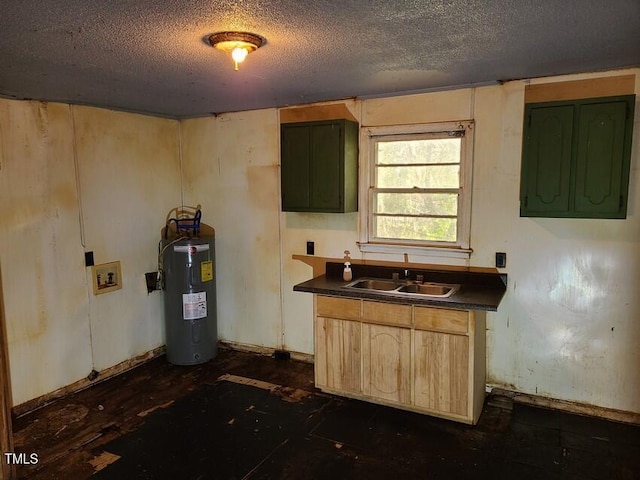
409, 228
417, 203
437, 176
437, 150
416, 184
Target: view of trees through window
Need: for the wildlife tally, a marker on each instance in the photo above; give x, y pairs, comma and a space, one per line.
417, 184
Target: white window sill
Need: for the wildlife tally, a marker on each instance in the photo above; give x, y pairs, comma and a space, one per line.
443, 252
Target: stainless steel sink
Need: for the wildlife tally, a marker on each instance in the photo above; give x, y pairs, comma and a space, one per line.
430, 289
374, 284
405, 287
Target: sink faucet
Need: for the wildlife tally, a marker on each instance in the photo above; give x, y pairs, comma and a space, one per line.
406, 275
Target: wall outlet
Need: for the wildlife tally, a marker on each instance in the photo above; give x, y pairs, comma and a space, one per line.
151, 279
311, 248
501, 259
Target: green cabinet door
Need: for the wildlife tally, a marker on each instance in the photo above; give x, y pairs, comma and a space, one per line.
326, 167
546, 173
295, 169
319, 166
602, 169
576, 158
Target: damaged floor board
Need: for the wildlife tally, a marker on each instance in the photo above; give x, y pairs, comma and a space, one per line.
117, 406
250, 416
227, 430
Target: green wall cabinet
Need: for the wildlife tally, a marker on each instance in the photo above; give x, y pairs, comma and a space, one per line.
576, 158
319, 166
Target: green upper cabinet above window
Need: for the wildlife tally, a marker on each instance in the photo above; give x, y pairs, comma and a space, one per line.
319, 166
576, 158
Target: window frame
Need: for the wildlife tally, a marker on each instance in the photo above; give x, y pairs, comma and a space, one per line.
368, 242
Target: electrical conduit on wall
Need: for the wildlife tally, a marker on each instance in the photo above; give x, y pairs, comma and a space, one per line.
76, 167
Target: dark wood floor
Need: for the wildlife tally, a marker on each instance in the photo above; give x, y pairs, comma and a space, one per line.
67, 433
510, 441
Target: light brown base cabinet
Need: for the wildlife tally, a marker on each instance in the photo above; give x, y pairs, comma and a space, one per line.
425, 359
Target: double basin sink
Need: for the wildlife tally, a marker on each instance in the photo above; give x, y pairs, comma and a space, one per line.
405, 287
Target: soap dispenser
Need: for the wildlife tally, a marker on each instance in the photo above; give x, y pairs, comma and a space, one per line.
347, 275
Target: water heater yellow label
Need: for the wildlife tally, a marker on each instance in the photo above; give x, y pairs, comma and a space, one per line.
206, 271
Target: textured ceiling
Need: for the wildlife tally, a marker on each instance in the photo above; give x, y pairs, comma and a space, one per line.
151, 56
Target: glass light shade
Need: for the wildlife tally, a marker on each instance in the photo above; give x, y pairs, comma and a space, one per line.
237, 44
239, 54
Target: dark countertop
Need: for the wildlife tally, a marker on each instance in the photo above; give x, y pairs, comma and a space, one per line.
478, 290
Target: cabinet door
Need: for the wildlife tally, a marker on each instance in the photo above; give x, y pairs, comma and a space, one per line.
337, 354
327, 170
386, 363
294, 168
576, 157
602, 178
546, 161
442, 372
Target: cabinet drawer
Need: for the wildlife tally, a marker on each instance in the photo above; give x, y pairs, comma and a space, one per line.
335, 307
388, 313
441, 319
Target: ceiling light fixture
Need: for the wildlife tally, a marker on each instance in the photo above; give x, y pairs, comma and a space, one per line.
238, 44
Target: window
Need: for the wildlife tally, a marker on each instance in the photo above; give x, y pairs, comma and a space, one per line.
419, 180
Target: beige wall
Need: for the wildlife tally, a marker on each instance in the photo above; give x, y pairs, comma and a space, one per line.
46, 297
568, 327
231, 169
127, 178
